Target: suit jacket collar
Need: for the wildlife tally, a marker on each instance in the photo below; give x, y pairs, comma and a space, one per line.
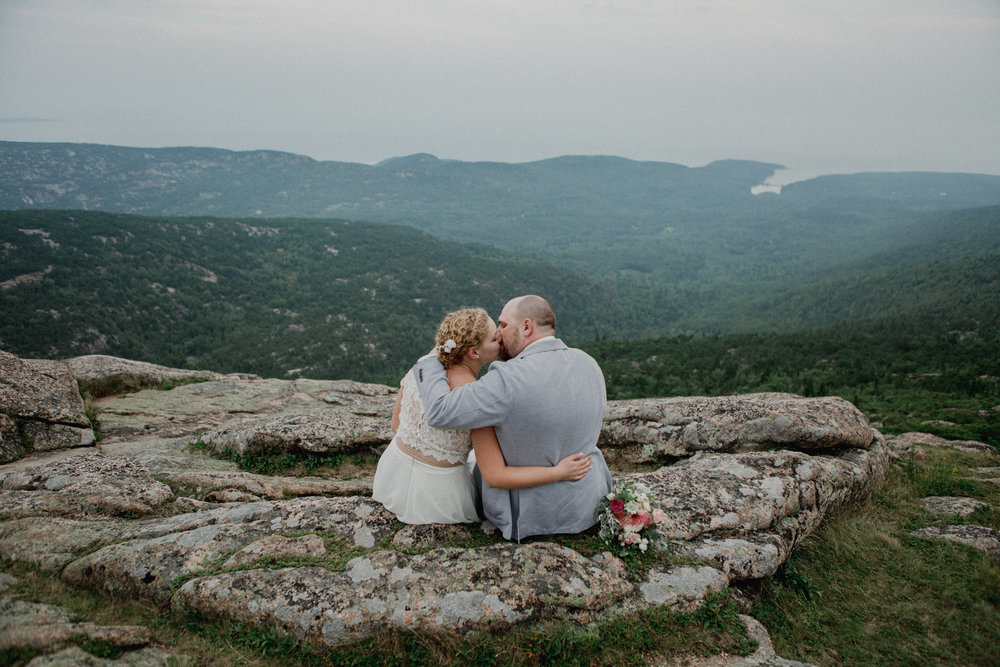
547, 345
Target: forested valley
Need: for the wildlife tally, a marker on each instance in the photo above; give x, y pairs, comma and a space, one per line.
881, 288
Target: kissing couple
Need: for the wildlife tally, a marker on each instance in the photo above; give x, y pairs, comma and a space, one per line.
532, 421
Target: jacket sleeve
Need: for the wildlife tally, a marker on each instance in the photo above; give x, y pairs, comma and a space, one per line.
481, 403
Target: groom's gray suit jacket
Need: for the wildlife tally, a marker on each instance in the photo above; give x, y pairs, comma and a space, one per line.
546, 403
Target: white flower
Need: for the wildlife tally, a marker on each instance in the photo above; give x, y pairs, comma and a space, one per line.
448, 346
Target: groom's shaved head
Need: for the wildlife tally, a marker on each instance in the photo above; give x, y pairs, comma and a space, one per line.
534, 308
524, 320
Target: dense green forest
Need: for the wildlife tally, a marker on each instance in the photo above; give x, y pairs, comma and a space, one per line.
333, 298
908, 374
315, 298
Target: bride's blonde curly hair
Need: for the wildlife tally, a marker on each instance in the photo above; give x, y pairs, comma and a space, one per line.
467, 328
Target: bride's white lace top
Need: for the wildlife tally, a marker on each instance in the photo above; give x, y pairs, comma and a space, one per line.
451, 446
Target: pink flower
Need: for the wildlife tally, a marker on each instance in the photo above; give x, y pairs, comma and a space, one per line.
659, 516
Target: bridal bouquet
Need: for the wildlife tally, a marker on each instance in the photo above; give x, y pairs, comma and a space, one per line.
627, 516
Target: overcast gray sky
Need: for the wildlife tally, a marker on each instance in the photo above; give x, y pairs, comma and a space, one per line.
820, 86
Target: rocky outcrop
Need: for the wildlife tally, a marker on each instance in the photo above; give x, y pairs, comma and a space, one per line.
906, 443
951, 506
150, 514
316, 431
460, 589
979, 537
100, 375
665, 429
37, 626
40, 408
236, 414
51, 633
92, 483
744, 513
739, 514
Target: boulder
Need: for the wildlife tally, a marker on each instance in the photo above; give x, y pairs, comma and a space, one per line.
665, 429
28, 625
40, 390
100, 374
951, 506
744, 513
92, 484
40, 408
190, 410
318, 431
979, 537
456, 589
149, 561
908, 442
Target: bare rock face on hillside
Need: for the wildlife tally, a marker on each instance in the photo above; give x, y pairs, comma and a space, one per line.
40, 408
149, 514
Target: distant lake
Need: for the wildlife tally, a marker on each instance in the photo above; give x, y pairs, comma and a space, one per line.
783, 177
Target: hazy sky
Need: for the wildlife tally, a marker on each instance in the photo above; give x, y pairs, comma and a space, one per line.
820, 86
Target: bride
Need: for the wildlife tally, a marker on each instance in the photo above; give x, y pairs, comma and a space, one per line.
422, 475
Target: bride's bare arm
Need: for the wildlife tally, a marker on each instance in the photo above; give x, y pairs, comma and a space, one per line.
395, 410
498, 475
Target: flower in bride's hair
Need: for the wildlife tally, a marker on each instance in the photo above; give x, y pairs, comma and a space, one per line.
448, 346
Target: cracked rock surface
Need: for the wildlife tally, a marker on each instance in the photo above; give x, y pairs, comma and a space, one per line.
148, 513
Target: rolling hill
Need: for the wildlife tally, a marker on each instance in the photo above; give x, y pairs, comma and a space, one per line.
291, 297
624, 249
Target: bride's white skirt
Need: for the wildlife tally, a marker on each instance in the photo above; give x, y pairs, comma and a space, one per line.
420, 493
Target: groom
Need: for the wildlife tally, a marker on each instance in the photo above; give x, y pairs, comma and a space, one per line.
546, 401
